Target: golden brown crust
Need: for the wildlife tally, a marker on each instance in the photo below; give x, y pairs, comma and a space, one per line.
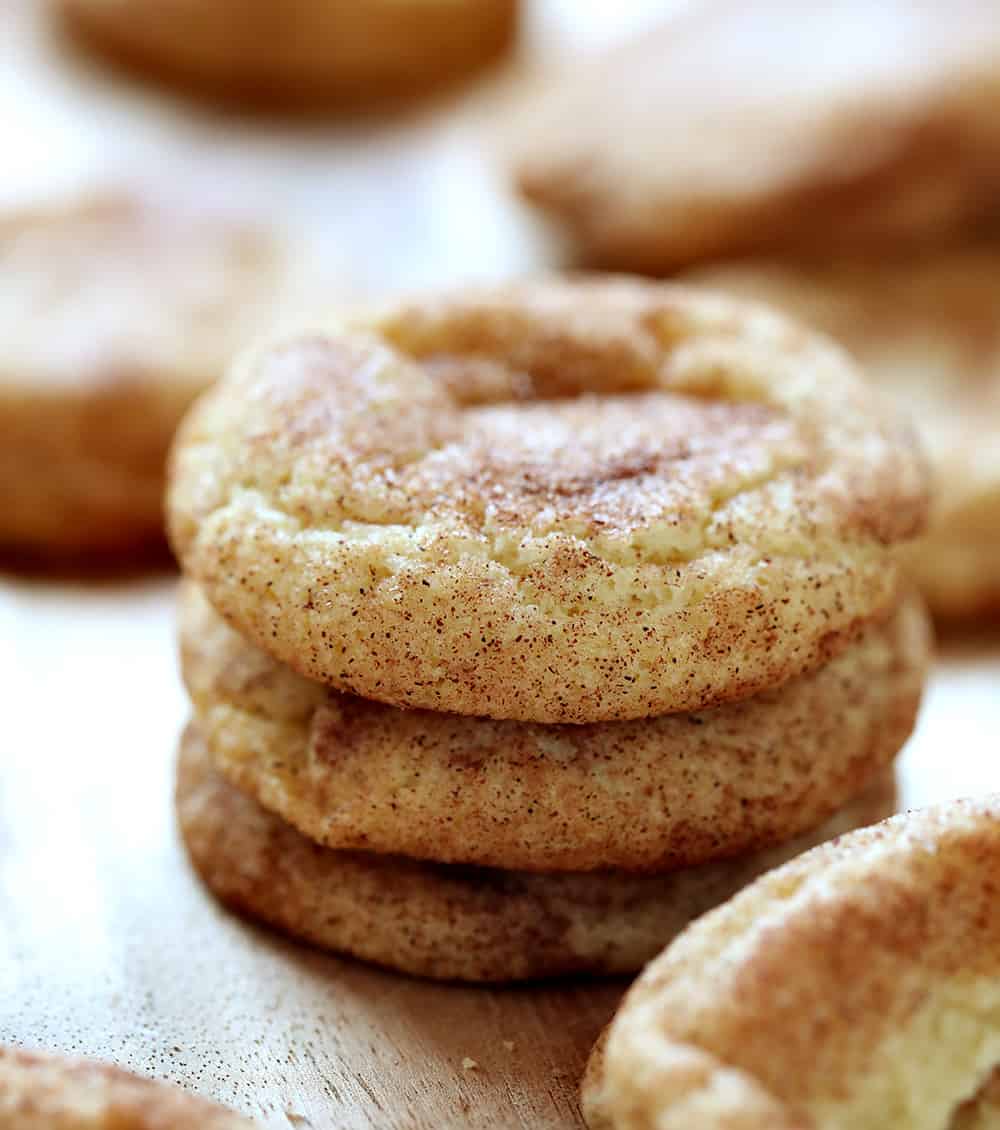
857, 985
115, 313
739, 130
441, 921
926, 327
568, 501
299, 52
658, 794
41, 1091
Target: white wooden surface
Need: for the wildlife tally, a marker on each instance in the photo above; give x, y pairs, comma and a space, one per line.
108, 946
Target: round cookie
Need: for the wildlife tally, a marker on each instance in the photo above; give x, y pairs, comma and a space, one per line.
656, 794
926, 327
297, 52
856, 986
436, 920
115, 313
41, 1091
563, 501
774, 128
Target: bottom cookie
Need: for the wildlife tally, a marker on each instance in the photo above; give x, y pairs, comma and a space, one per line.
40, 1091
447, 921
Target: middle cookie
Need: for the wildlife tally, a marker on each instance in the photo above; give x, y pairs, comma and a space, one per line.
658, 794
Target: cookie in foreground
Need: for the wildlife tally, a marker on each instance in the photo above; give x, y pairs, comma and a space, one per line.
450, 922
560, 501
42, 1091
858, 985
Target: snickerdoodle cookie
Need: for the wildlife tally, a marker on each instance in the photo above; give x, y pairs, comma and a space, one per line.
40, 1091
773, 127
563, 501
436, 920
858, 985
115, 312
657, 794
927, 328
297, 52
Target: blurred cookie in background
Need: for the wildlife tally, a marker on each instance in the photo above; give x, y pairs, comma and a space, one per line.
927, 328
296, 53
771, 128
115, 312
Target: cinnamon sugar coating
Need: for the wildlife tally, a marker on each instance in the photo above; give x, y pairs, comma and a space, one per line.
657, 794
856, 986
564, 501
447, 922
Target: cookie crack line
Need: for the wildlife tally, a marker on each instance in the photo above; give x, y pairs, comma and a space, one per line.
637, 549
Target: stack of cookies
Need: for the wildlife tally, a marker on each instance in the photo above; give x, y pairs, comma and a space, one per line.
522, 626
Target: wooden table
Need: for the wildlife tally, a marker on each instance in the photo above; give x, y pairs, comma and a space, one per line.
108, 946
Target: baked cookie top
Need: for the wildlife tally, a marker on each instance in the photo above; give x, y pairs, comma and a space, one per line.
774, 127
40, 1091
856, 986
564, 501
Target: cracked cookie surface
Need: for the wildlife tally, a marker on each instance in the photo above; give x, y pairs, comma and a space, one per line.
568, 501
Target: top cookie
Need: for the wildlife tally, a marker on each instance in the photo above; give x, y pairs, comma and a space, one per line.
559, 502
39, 1091
774, 127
